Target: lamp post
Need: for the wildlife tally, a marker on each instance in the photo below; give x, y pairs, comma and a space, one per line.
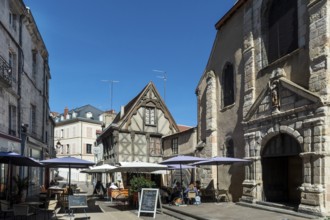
111, 89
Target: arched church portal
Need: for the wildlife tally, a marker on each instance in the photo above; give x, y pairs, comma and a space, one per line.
282, 170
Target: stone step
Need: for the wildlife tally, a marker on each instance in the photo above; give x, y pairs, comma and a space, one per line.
178, 214
277, 205
277, 208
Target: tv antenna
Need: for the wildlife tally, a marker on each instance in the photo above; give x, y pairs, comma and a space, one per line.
163, 76
111, 82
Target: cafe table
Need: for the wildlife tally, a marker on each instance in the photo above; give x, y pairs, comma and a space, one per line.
55, 190
33, 204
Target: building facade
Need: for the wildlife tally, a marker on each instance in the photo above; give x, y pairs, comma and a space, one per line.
264, 96
135, 134
75, 135
180, 143
26, 126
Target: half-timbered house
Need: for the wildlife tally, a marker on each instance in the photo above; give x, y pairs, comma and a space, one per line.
136, 132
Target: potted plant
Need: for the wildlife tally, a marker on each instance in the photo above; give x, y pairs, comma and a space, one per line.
22, 184
137, 183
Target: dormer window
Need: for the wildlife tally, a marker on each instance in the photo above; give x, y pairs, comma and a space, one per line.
89, 115
74, 114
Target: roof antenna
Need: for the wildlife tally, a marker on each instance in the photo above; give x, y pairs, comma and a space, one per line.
164, 77
111, 89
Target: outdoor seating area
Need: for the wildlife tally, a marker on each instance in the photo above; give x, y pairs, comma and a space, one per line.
28, 209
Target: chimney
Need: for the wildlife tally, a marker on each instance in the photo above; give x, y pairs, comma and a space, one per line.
66, 112
122, 111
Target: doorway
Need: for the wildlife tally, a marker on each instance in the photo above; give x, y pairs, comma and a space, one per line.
282, 170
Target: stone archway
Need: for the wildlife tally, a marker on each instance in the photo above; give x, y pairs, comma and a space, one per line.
282, 170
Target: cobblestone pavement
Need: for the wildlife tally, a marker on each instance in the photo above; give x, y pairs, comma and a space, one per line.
103, 209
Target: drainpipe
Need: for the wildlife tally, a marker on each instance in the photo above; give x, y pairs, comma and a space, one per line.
20, 71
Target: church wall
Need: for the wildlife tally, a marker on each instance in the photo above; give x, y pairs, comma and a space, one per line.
219, 123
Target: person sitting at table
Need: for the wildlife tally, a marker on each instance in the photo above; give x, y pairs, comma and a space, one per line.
191, 189
113, 186
99, 189
176, 192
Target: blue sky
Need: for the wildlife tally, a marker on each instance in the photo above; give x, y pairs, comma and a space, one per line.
125, 40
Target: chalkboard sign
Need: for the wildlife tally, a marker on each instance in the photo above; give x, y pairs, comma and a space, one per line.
148, 201
77, 202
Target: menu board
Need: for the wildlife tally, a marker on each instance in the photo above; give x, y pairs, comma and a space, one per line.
77, 202
148, 201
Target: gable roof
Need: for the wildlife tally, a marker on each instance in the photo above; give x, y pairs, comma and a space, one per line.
132, 106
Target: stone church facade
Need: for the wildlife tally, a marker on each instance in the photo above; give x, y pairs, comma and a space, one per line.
264, 96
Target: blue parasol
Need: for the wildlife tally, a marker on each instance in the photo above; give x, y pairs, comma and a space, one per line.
67, 162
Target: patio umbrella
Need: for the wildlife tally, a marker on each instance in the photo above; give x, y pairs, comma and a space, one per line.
104, 168
67, 162
18, 160
220, 161
12, 158
181, 160
180, 166
139, 167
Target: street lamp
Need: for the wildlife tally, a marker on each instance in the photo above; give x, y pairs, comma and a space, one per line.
111, 89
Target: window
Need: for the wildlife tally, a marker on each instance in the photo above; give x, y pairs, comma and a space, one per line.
68, 149
155, 146
281, 29
89, 115
230, 148
88, 148
33, 119
89, 132
13, 20
150, 116
12, 64
175, 149
34, 64
228, 85
12, 120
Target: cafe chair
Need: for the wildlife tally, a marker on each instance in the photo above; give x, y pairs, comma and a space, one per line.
64, 202
22, 211
191, 195
5, 208
50, 209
